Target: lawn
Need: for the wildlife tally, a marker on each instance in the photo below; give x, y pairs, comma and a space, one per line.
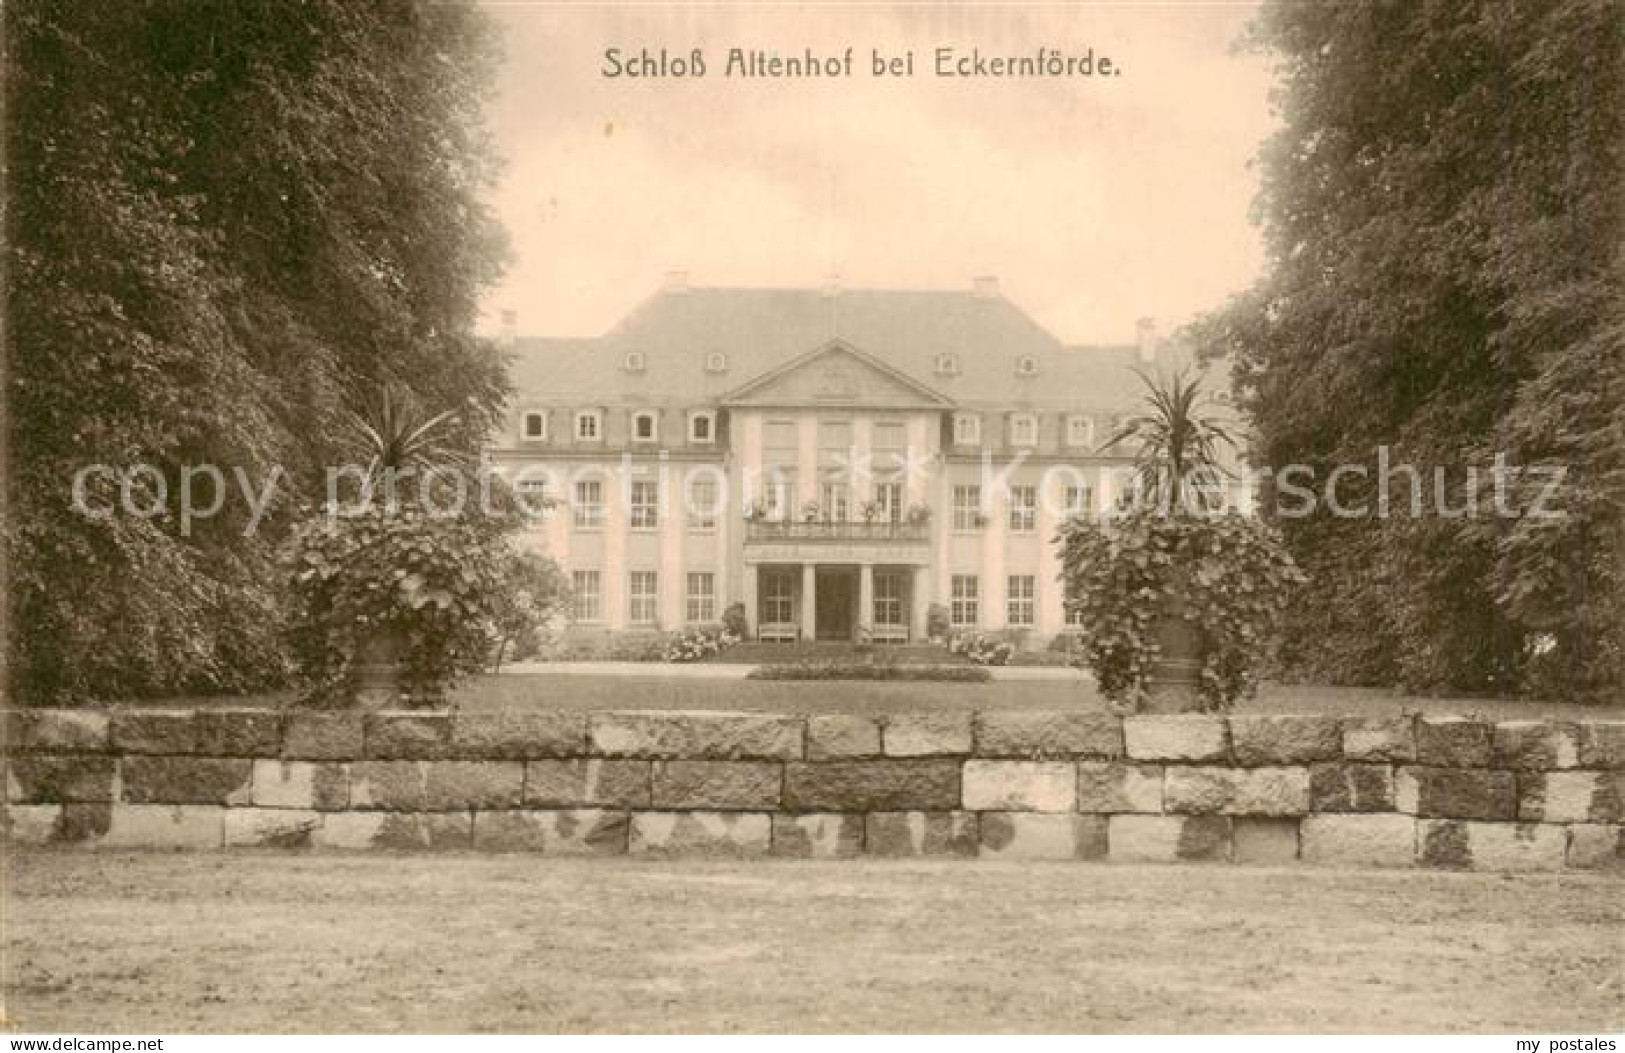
144, 943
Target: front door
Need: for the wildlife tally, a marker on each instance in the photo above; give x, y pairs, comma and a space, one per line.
837, 595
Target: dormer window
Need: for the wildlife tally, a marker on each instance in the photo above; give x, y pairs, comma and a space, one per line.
645, 426
589, 426
716, 362
947, 365
634, 362
534, 427
967, 429
1023, 429
1026, 366
1080, 430
702, 426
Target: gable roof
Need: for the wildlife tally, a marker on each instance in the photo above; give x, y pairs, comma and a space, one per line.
764, 330
886, 386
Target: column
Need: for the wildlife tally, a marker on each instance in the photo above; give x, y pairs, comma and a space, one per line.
866, 594
749, 597
919, 603
809, 601
673, 522
806, 464
614, 583
1048, 593
992, 613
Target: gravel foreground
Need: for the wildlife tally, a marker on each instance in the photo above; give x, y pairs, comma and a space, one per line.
278, 942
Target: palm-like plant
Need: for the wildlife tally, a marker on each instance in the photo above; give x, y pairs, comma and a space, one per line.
1178, 458
394, 433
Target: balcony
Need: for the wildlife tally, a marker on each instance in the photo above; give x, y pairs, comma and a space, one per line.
857, 532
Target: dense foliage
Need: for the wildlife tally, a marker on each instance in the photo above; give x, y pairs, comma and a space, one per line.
872, 670
535, 593
222, 219
1443, 218
1228, 574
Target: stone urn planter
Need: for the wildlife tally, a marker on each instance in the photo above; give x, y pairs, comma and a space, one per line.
1174, 684
378, 672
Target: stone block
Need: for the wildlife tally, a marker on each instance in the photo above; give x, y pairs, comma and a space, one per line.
301, 784
1572, 796
1236, 791
30, 824
408, 736
1602, 744
1168, 838
518, 736
1351, 787
587, 783
62, 730
58, 778
1454, 844
315, 735
557, 832
832, 736
741, 785
154, 731
83, 823
271, 827
1186, 737
1454, 742
907, 834
818, 835
1379, 739
1456, 793
405, 831
1596, 847
723, 834
1358, 840
238, 732
931, 734
1265, 841
187, 780
1036, 835
1054, 733
696, 736
1536, 745
451, 785
391, 785
1116, 786
1020, 786
872, 785
1257, 741
165, 826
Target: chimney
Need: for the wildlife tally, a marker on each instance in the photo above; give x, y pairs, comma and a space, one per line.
677, 281
510, 326
832, 286
985, 287
1145, 337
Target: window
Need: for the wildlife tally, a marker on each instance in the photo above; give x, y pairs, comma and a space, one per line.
889, 500
702, 504
643, 597
716, 362
833, 499
535, 425
587, 595
1080, 430
947, 365
701, 605
777, 491
1026, 366
1023, 509
532, 495
701, 427
645, 426
778, 597
967, 429
888, 448
962, 606
589, 504
634, 362
589, 425
1023, 430
645, 505
888, 599
967, 507
1019, 600
1079, 500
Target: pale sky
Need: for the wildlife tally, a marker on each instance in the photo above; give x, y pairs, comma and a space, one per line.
1095, 200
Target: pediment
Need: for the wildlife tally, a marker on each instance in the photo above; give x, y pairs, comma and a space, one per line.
836, 374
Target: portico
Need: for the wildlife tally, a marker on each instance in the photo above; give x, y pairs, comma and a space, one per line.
824, 596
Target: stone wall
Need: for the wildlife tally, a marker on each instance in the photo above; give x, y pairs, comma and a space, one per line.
1447, 793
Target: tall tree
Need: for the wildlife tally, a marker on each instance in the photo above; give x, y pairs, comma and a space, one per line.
1443, 217
224, 219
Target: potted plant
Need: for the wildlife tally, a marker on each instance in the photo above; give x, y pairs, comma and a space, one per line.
810, 511
918, 515
869, 510
1176, 602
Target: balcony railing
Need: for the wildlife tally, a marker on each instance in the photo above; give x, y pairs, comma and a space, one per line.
835, 530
